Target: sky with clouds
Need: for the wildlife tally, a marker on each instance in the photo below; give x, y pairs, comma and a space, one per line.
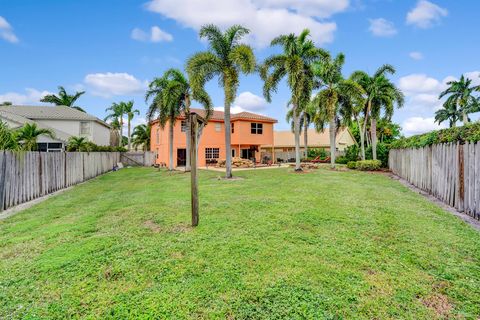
111, 49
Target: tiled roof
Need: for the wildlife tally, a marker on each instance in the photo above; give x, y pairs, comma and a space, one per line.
47, 113
219, 116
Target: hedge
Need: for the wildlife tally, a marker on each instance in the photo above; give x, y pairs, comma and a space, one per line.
466, 133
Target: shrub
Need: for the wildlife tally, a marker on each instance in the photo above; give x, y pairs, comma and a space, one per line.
369, 165
351, 152
341, 160
382, 153
315, 152
352, 164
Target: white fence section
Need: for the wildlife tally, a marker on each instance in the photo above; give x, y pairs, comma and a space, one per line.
25, 176
450, 172
143, 158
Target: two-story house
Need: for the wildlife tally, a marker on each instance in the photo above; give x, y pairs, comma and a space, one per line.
249, 132
65, 122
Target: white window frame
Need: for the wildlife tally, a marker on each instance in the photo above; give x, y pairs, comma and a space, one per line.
183, 125
89, 128
218, 127
212, 153
256, 128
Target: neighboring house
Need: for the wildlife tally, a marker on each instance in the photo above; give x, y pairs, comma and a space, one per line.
283, 146
65, 122
249, 132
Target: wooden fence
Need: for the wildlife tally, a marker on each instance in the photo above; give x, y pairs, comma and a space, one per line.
450, 172
138, 158
25, 176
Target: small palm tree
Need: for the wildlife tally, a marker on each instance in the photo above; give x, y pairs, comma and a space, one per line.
335, 100
381, 94
460, 94
28, 135
130, 113
226, 59
295, 64
8, 139
63, 98
77, 144
448, 112
141, 136
116, 113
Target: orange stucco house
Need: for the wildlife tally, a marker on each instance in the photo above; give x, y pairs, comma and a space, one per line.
249, 132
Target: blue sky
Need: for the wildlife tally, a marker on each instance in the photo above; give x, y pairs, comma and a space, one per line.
111, 48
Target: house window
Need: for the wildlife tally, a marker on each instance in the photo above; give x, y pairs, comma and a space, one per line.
256, 128
218, 127
212, 153
233, 127
233, 153
184, 126
84, 128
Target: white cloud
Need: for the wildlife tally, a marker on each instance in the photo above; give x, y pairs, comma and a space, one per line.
426, 14
382, 28
31, 96
419, 83
415, 55
113, 84
417, 125
6, 31
156, 35
265, 18
250, 102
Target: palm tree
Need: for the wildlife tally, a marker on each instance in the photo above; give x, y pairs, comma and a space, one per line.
381, 94
448, 112
294, 63
225, 59
141, 136
306, 118
8, 139
28, 135
335, 100
78, 144
185, 94
63, 98
461, 95
117, 110
130, 113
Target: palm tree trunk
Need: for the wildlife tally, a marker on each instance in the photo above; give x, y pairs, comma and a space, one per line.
121, 130
465, 117
296, 130
373, 129
170, 142
365, 120
333, 133
228, 137
305, 137
188, 134
362, 139
129, 136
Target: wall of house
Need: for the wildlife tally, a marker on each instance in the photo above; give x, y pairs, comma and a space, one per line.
99, 134
213, 136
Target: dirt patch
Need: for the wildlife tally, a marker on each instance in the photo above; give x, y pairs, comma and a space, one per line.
181, 228
230, 179
439, 304
150, 224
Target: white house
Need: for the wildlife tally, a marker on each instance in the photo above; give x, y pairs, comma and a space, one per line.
65, 122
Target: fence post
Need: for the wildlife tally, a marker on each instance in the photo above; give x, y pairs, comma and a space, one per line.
3, 171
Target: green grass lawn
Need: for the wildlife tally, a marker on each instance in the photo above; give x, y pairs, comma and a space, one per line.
274, 245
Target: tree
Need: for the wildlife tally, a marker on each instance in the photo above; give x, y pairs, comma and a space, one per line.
185, 94
78, 144
117, 110
130, 113
28, 135
306, 118
295, 64
226, 59
448, 112
8, 139
460, 95
334, 102
381, 94
64, 99
141, 136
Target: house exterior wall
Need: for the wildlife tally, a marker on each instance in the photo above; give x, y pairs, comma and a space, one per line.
213, 136
99, 134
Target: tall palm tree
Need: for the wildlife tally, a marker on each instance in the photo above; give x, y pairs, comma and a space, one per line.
335, 100
448, 112
295, 64
130, 113
306, 118
28, 135
381, 94
63, 98
117, 111
460, 94
185, 94
141, 136
226, 59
